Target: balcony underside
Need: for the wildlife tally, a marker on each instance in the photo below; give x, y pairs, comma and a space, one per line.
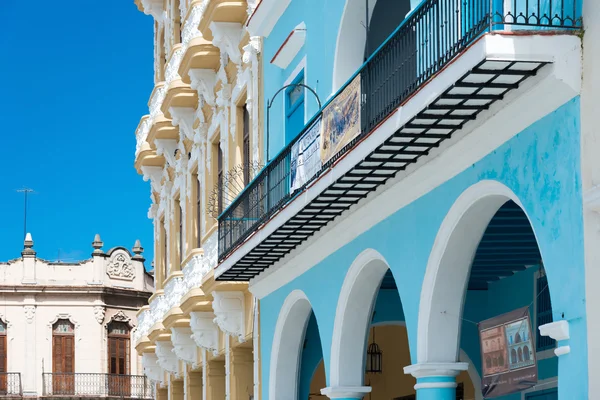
479, 88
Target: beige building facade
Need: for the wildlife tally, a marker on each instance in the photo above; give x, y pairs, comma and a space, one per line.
199, 146
66, 327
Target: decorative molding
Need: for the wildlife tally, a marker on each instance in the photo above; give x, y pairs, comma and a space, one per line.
184, 118
121, 317
558, 330
265, 16
229, 313
151, 368
166, 148
167, 359
144, 322
175, 289
203, 81
425, 370
29, 312
171, 72
154, 8
347, 392
195, 270
184, 346
156, 101
251, 50
120, 266
290, 47
190, 28
205, 332
227, 37
99, 312
152, 174
141, 134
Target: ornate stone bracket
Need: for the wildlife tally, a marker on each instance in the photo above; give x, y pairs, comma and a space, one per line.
558, 331
184, 118
203, 81
151, 367
166, 147
205, 332
153, 174
229, 313
167, 359
154, 8
99, 312
227, 36
184, 346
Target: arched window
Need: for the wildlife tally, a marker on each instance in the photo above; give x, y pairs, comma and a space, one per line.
63, 357
488, 362
513, 356
118, 359
520, 352
526, 353
518, 338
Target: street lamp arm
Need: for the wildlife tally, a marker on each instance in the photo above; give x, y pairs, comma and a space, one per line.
270, 103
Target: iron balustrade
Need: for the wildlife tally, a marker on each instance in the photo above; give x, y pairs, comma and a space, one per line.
424, 43
10, 384
97, 385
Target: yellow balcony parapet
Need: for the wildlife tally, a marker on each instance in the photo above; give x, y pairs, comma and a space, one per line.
162, 128
145, 345
179, 94
175, 318
148, 158
159, 332
200, 54
222, 11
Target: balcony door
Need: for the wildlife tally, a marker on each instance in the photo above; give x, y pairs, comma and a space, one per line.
119, 382
294, 108
63, 357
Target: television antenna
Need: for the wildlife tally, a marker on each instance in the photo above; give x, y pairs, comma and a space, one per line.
25, 191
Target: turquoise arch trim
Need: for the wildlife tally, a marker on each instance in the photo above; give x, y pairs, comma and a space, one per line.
541, 165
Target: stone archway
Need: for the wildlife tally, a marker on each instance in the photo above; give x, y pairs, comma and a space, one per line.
288, 341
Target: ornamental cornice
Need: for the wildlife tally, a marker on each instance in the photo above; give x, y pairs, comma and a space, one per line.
184, 346
229, 313
205, 332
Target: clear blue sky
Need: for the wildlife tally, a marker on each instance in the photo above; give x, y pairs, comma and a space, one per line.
76, 77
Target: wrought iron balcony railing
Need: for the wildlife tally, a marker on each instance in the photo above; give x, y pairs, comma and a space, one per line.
426, 41
97, 385
10, 384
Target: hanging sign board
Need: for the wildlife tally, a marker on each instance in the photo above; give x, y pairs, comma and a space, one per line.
341, 120
507, 354
305, 161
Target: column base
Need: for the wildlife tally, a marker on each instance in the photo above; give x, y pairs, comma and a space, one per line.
436, 381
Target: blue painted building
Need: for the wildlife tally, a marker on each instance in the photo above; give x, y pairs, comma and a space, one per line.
424, 174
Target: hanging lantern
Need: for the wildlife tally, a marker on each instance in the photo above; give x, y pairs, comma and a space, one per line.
374, 358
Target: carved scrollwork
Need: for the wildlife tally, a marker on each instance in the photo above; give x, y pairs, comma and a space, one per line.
229, 313
184, 346
205, 332
120, 266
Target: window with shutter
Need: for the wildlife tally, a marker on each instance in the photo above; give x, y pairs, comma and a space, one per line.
63, 357
198, 213
3, 358
118, 354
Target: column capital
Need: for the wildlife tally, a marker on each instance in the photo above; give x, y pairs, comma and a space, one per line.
434, 369
346, 392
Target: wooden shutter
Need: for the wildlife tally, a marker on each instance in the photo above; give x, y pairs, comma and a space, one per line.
3, 355
69, 354
57, 352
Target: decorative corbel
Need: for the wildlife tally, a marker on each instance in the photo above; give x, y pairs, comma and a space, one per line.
229, 313
183, 117
205, 332
204, 81
151, 368
153, 174
166, 358
184, 346
227, 36
166, 148
558, 331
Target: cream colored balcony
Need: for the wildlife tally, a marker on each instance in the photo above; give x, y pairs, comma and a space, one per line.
200, 54
148, 158
162, 128
179, 94
222, 11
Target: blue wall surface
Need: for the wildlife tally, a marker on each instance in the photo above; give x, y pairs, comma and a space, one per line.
541, 165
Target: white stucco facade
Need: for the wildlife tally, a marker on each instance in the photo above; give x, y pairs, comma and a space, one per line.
35, 294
